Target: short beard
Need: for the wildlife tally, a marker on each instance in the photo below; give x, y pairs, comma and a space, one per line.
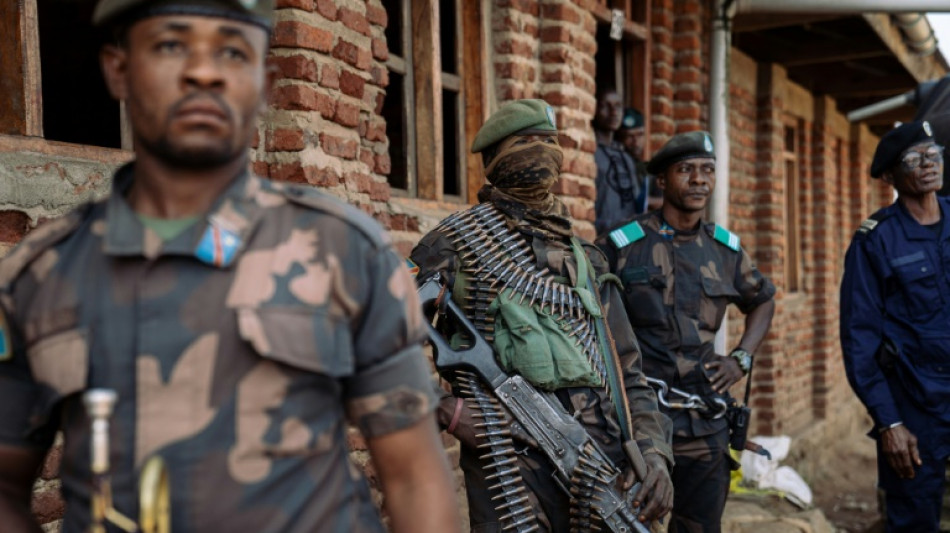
204, 158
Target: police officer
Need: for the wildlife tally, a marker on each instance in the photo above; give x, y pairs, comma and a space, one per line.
521, 235
241, 322
895, 326
679, 274
620, 191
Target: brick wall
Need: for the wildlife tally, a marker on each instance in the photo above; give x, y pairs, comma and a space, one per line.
324, 128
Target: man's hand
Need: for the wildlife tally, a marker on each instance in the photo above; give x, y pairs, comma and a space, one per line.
900, 449
465, 430
655, 497
726, 373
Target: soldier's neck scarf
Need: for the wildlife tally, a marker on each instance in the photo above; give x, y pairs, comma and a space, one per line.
521, 177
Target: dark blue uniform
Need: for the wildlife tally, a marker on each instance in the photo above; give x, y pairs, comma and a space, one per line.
896, 288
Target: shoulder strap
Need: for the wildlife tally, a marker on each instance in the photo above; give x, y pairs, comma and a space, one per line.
627, 234
725, 237
36, 242
871, 222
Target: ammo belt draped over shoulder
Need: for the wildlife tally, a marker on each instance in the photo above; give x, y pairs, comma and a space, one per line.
496, 258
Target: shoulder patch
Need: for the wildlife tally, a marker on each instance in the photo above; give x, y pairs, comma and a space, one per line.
413, 268
868, 225
37, 241
726, 237
331, 205
6, 352
628, 234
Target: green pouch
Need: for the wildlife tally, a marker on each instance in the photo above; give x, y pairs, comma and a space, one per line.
532, 343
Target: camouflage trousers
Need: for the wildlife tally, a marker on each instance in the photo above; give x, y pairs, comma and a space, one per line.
700, 482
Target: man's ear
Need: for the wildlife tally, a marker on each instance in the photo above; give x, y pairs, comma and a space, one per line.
888, 177
114, 62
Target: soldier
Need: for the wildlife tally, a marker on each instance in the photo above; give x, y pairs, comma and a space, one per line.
631, 136
620, 191
895, 326
679, 274
540, 330
241, 322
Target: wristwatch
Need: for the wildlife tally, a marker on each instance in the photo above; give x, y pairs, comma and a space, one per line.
744, 358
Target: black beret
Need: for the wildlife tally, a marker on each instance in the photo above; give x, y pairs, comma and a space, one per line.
632, 119
258, 12
680, 147
896, 142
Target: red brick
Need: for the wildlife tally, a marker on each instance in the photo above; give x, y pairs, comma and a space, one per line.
383, 164
47, 506
51, 463
296, 67
329, 76
339, 146
327, 8
306, 5
14, 225
347, 114
354, 20
351, 84
261, 168
290, 172
556, 34
560, 12
294, 34
368, 158
285, 140
376, 15
302, 98
346, 51
380, 49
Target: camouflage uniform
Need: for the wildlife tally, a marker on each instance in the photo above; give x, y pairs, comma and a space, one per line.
676, 289
592, 406
238, 349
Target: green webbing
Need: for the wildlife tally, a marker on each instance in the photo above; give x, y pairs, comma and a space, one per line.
611, 361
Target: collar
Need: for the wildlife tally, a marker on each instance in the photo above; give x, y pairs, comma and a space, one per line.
915, 231
216, 239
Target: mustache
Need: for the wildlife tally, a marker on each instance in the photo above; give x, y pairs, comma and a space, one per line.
200, 95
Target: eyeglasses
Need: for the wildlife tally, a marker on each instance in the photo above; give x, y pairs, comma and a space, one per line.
913, 159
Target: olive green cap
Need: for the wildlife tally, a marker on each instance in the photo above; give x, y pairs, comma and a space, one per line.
109, 12
517, 116
681, 146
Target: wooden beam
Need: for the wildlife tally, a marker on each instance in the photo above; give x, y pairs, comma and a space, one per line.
21, 110
749, 23
427, 69
473, 92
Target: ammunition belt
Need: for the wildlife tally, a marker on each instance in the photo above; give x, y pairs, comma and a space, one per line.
494, 258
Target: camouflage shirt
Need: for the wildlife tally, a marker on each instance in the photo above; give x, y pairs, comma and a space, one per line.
238, 350
677, 286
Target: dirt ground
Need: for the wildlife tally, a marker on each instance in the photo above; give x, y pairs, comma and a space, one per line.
844, 485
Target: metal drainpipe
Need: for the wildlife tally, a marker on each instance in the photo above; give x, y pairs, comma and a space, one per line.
719, 125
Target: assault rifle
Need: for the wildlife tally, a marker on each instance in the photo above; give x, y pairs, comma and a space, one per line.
560, 436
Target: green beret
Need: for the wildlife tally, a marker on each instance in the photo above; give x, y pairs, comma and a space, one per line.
680, 147
257, 12
896, 142
516, 116
632, 119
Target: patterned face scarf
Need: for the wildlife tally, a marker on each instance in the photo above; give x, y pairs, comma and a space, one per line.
521, 177
526, 172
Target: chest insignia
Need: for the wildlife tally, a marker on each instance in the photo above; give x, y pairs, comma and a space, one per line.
726, 237
6, 351
628, 234
667, 232
218, 245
